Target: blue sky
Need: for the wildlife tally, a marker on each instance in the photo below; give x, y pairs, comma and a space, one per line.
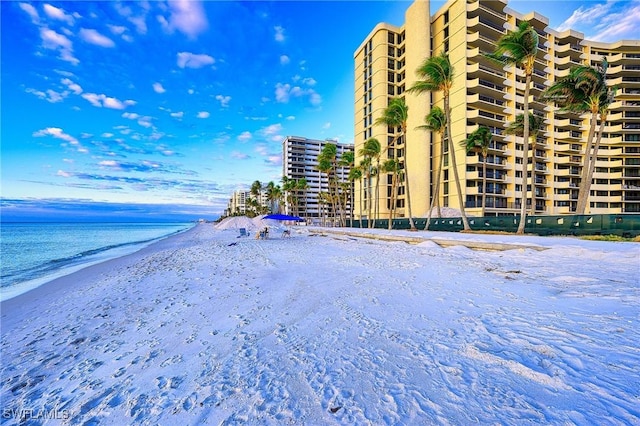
172, 105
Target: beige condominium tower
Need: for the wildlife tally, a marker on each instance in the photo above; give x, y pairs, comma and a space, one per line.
487, 94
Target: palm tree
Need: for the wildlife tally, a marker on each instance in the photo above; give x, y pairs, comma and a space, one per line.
585, 90
395, 115
327, 163
519, 48
535, 126
273, 195
479, 141
347, 161
437, 76
356, 174
436, 121
256, 192
371, 151
392, 166
288, 187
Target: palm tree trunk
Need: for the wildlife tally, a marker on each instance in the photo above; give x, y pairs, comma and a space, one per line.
484, 183
452, 149
394, 180
582, 203
370, 200
589, 157
525, 155
360, 204
533, 176
412, 225
376, 207
435, 199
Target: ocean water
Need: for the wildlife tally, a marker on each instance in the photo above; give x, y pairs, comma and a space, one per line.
34, 253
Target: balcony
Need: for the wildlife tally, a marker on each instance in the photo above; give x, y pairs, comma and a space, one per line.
486, 102
494, 28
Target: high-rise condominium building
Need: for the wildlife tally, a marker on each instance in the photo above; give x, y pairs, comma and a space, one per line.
300, 160
487, 94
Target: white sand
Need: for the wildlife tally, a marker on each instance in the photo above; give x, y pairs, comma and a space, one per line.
208, 328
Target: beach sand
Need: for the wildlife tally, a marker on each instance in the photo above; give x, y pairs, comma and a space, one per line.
207, 328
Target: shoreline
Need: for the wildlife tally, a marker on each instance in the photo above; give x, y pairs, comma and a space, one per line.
204, 326
15, 290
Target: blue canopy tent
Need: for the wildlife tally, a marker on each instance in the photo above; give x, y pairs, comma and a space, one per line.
279, 216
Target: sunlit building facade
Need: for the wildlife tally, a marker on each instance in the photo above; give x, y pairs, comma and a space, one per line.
486, 94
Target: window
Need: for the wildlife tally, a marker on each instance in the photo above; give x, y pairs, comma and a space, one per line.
391, 38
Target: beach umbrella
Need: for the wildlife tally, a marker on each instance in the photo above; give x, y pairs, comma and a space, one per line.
279, 216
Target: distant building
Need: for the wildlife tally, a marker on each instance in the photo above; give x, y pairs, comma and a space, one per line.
486, 94
300, 160
240, 202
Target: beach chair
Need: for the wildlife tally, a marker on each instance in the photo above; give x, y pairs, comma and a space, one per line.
243, 232
286, 233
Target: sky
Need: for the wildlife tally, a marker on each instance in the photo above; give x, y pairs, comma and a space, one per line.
173, 105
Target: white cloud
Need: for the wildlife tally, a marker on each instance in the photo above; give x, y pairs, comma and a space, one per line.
56, 132
117, 29
309, 81
55, 41
274, 160
239, 155
64, 174
279, 33
291, 117
284, 92
622, 25
157, 87
31, 11
314, 98
94, 37
244, 136
56, 13
272, 132
192, 60
138, 20
272, 129
326, 125
179, 114
191, 91
284, 60
188, 17
74, 87
131, 115
224, 100
145, 122
54, 96
106, 101
585, 16
49, 96
203, 114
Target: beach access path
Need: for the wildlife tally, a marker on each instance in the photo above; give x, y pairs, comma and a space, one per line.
320, 328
